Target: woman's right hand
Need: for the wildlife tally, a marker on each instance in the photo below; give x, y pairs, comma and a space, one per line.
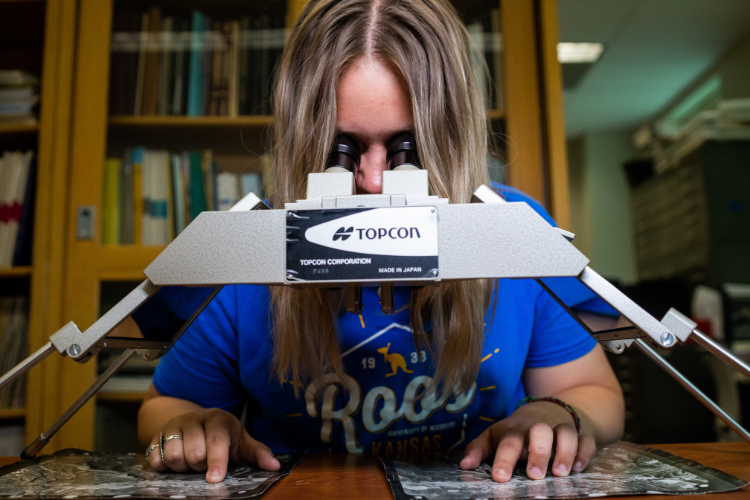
211, 439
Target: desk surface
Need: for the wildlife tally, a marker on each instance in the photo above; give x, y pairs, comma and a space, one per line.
362, 477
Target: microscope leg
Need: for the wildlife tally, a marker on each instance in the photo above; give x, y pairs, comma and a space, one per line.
27, 364
726, 356
34, 448
692, 389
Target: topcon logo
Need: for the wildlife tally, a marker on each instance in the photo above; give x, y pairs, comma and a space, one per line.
343, 234
397, 231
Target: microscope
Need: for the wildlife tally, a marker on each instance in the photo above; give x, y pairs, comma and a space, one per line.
335, 238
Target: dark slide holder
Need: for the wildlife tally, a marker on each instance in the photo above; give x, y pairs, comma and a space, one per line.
620, 469
77, 474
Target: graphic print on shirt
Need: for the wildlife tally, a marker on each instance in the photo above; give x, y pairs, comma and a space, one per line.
395, 359
368, 413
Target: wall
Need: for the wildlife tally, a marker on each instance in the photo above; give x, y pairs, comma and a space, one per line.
734, 70
600, 203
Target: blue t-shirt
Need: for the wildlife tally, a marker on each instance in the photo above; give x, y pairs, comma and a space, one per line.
223, 361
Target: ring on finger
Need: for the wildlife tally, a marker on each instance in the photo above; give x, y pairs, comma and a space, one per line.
163, 442
150, 449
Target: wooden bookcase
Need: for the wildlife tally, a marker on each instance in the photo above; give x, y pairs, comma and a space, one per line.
532, 119
44, 48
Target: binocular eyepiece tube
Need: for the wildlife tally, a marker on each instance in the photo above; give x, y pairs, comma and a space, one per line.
402, 154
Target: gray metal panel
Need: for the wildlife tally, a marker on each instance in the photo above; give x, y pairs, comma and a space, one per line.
225, 248
625, 306
408, 182
363, 200
69, 335
330, 184
508, 240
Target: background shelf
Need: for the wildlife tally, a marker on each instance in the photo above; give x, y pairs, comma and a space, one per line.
15, 272
12, 414
191, 121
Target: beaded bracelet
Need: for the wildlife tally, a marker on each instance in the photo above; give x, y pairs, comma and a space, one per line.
576, 418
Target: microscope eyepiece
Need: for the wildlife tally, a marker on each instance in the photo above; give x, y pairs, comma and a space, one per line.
344, 155
402, 153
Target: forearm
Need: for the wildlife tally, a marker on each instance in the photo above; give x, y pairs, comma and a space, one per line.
156, 410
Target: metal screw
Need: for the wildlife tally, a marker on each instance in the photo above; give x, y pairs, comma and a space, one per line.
289, 214
74, 351
667, 339
432, 211
435, 273
105, 345
289, 277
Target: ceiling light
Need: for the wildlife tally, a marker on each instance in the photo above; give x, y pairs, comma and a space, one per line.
579, 52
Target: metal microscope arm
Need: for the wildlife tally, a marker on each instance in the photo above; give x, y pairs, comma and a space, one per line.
337, 239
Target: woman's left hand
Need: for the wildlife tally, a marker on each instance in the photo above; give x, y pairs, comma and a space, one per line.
534, 432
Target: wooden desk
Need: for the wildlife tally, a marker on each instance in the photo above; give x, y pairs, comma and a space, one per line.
362, 477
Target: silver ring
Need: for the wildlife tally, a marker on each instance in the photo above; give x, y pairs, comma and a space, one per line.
163, 441
169, 438
150, 449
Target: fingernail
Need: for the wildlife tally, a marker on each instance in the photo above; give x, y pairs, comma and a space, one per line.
561, 469
536, 472
214, 475
578, 467
501, 472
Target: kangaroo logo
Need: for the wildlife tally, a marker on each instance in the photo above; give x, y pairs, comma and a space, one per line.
396, 360
343, 234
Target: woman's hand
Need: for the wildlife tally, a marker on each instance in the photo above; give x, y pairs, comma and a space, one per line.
211, 439
535, 432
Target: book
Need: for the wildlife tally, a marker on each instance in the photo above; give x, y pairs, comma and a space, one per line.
209, 171
250, 183
195, 81
218, 86
136, 196
111, 202
233, 57
264, 76
18, 97
206, 66
228, 189
181, 66
197, 190
24, 240
166, 49
178, 195
126, 27
14, 174
151, 72
243, 64
140, 75
14, 319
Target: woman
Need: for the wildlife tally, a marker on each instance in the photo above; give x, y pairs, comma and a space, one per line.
315, 378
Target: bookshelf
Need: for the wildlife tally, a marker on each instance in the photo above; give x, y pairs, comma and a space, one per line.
15, 272
36, 36
31, 128
93, 270
189, 121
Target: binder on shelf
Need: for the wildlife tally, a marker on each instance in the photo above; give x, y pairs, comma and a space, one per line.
15, 193
111, 203
167, 191
195, 82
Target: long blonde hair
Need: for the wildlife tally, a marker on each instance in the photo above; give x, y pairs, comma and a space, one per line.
427, 47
